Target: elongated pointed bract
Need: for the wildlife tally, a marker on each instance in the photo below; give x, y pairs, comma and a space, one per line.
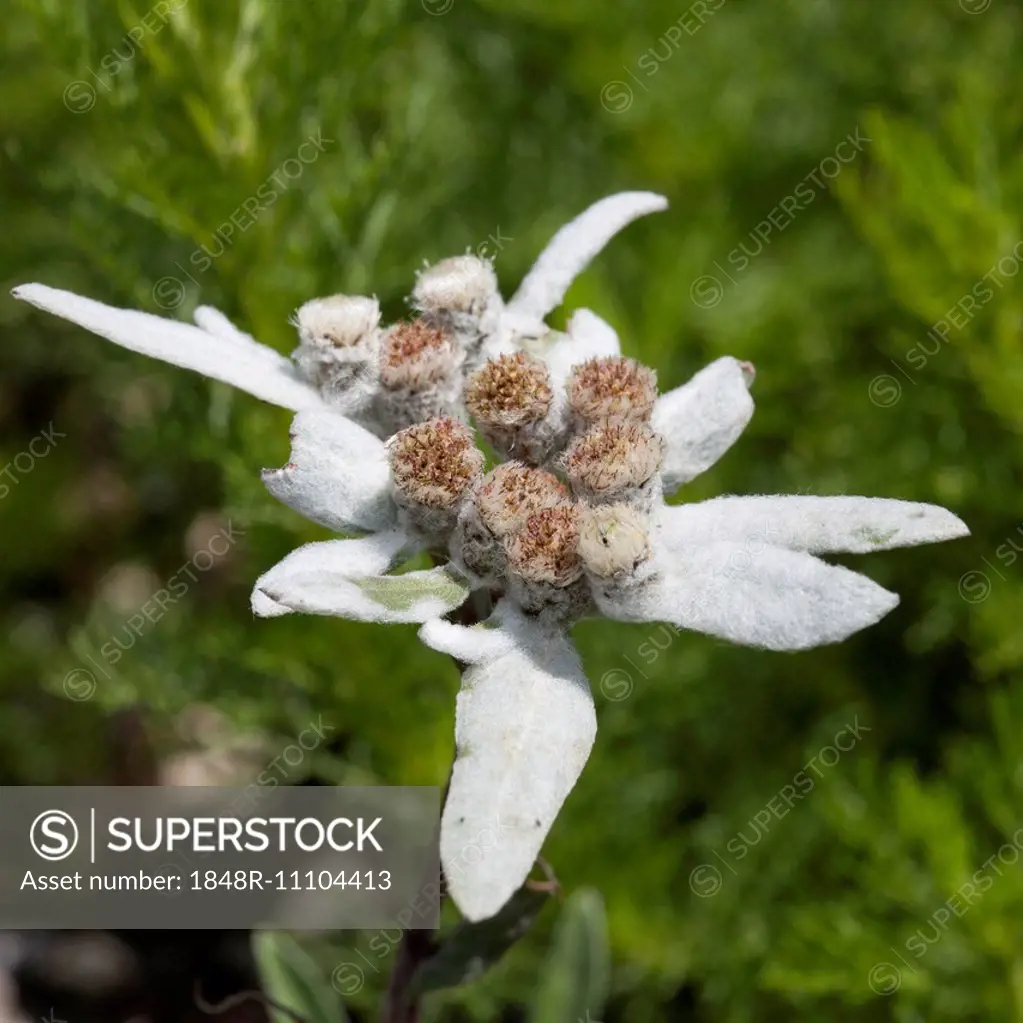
570, 251
337, 474
702, 419
345, 578
820, 525
774, 599
233, 359
389, 599
524, 727
317, 565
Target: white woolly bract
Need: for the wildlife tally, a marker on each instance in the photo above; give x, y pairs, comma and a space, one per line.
853, 525
214, 322
570, 251
470, 644
774, 599
524, 728
337, 475
316, 567
702, 419
229, 356
586, 337
387, 599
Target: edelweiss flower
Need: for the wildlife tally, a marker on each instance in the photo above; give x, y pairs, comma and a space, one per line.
384, 378
574, 525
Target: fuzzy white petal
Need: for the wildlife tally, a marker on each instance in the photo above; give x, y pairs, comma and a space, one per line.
238, 361
469, 644
587, 337
774, 599
389, 599
336, 578
854, 525
366, 556
570, 251
214, 322
337, 475
524, 728
702, 419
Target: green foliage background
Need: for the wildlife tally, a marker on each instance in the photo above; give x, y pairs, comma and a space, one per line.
454, 122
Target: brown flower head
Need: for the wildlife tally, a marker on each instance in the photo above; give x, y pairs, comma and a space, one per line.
512, 492
416, 355
509, 391
545, 549
612, 388
434, 463
612, 458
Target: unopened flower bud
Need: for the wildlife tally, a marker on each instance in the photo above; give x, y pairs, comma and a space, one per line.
419, 374
546, 548
613, 387
613, 541
415, 356
510, 391
544, 572
513, 404
461, 295
339, 342
512, 492
433, 466
615, 461
462, 284
339, 320
499, 507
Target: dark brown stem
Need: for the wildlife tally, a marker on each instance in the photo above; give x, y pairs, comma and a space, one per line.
233, 1001
415, 948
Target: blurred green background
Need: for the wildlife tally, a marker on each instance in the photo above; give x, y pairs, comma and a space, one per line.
129, 137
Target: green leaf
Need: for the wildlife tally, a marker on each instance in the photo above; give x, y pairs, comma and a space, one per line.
404, 592
293, 981
574, 985
469, 949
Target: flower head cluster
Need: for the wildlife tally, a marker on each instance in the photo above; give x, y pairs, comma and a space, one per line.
570, 522
575, 455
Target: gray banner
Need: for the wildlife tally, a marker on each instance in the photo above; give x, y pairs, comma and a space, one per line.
309, 858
